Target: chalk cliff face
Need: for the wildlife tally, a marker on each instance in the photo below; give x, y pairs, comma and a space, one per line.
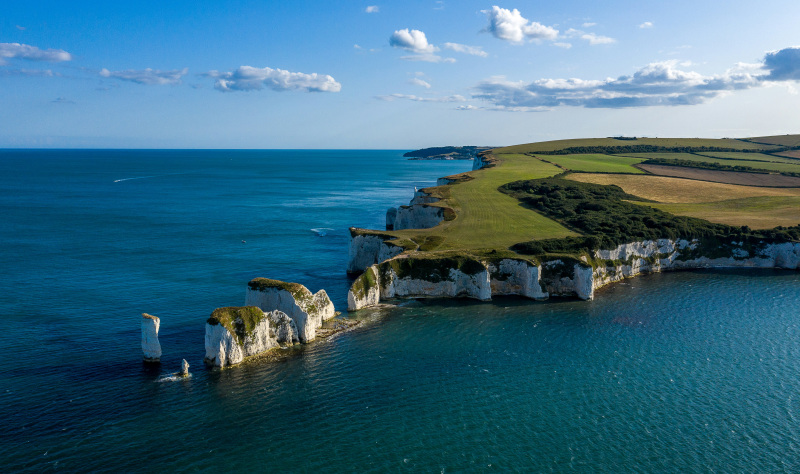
151, 348
418, 216
406, 276
306, 310
234, 333
367, 250
516, 277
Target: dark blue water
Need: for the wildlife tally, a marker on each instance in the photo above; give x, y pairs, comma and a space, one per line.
696, 371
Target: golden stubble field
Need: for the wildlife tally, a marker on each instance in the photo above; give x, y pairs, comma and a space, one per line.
756, 207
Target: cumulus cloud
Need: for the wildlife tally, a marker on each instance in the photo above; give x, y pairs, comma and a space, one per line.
647, 24
412, 40
419, 82
462, 48
31, 53
783, 65
147, 76
592, 38
511, 26
247, 78
416, 98
589, 24
660, 83
372, 9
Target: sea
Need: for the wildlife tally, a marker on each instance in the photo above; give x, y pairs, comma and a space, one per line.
679, 372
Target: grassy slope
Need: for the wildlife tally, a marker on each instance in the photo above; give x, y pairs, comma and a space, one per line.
487, 218
780, 140
667, 142
595, 163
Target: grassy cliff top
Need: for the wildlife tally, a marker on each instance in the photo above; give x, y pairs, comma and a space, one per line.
489, 222
261, 284
240, 321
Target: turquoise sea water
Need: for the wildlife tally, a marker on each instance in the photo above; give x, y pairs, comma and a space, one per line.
694, 371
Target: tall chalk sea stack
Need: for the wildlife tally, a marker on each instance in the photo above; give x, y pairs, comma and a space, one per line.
307, 310
151, 348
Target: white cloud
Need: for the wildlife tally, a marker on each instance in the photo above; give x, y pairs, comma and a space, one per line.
416, 98
511, 26
594, 39
32, 53
147, 76
462, 48
248, 78
439, 5
372, 9
21, 28
588, 24
660, 83
647, 24
563, 45
412, 40
467, 107
428, 58
419, 82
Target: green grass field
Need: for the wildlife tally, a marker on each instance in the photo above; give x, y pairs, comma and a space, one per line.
780, 140
595, 163
787, 165
665, 142
751, 156
489, 219
761, 212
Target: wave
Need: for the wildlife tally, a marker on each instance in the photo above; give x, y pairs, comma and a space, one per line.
174, 378
145, 177
322, 231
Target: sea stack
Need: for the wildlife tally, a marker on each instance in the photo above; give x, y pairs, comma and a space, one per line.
305, 309
237, 332
184, 369
151, 348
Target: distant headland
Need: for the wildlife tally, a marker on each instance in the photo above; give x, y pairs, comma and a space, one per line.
446, 153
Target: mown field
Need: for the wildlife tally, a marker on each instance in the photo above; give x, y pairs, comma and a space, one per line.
763, 212
779, 140
614, 142
592, 163
764, 162
731, 177
756, 207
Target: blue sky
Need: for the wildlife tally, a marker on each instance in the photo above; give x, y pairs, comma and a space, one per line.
350, 74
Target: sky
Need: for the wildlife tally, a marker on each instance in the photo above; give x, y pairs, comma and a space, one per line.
392, 75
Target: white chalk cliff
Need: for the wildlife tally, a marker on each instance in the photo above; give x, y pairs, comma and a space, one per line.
407, 276
368, 249
234, 333
307, 311
151, 348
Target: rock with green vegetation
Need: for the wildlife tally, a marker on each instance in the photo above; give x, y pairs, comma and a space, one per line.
435, 277
306, 310
236, 332
368, 248
151, 348
365, 291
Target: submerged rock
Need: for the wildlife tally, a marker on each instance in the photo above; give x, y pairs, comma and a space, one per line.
151, 348
307, 311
